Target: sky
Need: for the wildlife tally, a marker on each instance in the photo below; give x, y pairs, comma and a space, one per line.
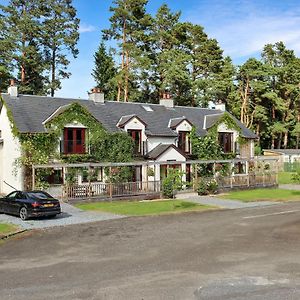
242, 28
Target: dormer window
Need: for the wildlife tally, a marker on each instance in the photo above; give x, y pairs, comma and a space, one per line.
184, 141
74, 141
226, 141
136, 136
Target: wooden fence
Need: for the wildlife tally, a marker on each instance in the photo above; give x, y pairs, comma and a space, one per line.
110, 190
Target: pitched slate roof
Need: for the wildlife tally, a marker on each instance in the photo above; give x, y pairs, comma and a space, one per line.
29, 113
162, 148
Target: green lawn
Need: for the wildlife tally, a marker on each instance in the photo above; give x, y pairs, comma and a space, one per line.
140, 208
7, 229
263, 195
285, 178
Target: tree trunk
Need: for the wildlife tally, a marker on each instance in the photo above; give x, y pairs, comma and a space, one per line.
126, 84
297, 141
53, 67
285, 140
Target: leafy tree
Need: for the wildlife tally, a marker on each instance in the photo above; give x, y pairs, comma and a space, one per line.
128, 24
104, 71
19, 39
284, 92
59, 38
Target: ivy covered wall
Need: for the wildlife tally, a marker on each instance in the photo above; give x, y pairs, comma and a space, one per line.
42, 148
208, 147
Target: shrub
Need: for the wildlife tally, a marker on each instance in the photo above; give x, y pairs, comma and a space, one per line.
296, 176
206, 187
172, 182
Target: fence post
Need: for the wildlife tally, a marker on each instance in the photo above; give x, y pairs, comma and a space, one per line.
33, 177
110, 183
247, 173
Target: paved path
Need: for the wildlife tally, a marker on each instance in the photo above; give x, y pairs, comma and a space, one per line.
70, 215
222, 203
295, 187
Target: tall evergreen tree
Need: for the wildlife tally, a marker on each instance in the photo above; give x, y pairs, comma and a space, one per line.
104, 71
60, 36
128, 24
19, 30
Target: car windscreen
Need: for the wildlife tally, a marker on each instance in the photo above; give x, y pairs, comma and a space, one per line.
39, 195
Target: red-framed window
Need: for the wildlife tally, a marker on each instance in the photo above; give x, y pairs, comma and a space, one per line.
226, 141
74, 141
136, 136
184, 141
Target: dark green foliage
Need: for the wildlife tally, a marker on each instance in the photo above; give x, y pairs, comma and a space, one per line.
35, 38
104, 72
208, 147
112, 147
60, 35
172, 183
207, 186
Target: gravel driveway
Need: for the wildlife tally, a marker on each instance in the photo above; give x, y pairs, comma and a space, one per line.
70, 215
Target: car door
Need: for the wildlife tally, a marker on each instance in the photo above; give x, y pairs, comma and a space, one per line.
17, 203
9, 202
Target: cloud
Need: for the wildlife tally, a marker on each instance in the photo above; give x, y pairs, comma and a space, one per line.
243, 27
86, 28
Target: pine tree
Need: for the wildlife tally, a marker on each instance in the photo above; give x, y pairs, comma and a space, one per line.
284, 91
104, 71
60, 36
128, 24
19, 30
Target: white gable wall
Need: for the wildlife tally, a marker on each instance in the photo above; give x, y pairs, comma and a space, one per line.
171, 155
9, 152
223, 128
184, 126
136, 124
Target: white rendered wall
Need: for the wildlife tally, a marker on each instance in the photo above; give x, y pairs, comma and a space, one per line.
223, 128
9, 152
136, 124
155, 141
171, 155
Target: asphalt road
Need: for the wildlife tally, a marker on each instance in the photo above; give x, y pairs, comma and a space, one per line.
239, 254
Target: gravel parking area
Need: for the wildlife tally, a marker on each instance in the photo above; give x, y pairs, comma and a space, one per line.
70, 215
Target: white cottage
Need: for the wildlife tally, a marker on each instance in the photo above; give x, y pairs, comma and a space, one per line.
160, 131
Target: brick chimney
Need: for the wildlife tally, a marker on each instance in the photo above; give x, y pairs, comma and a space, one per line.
166, 100
96, 95
13, 89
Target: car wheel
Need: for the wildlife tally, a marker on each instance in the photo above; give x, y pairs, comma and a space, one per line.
23, 213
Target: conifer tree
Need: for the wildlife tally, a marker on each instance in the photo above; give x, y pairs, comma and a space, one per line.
104, 71
128, 24
60, 36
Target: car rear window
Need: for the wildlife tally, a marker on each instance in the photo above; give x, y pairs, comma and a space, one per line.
39, 195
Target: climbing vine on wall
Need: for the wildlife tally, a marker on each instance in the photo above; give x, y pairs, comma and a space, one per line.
208, 147
41, 148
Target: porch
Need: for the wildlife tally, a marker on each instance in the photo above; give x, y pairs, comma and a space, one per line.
147, 177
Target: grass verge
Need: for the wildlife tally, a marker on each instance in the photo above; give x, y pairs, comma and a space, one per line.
263, 195
141, 208
285, 178
6, 229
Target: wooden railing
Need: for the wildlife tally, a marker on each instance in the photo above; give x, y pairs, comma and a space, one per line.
251, 180
110, 190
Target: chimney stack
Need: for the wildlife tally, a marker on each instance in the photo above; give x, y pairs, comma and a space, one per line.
220, 106
96, 95
12, 89
166, 100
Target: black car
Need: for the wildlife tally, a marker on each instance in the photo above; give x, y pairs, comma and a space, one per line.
30, 204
